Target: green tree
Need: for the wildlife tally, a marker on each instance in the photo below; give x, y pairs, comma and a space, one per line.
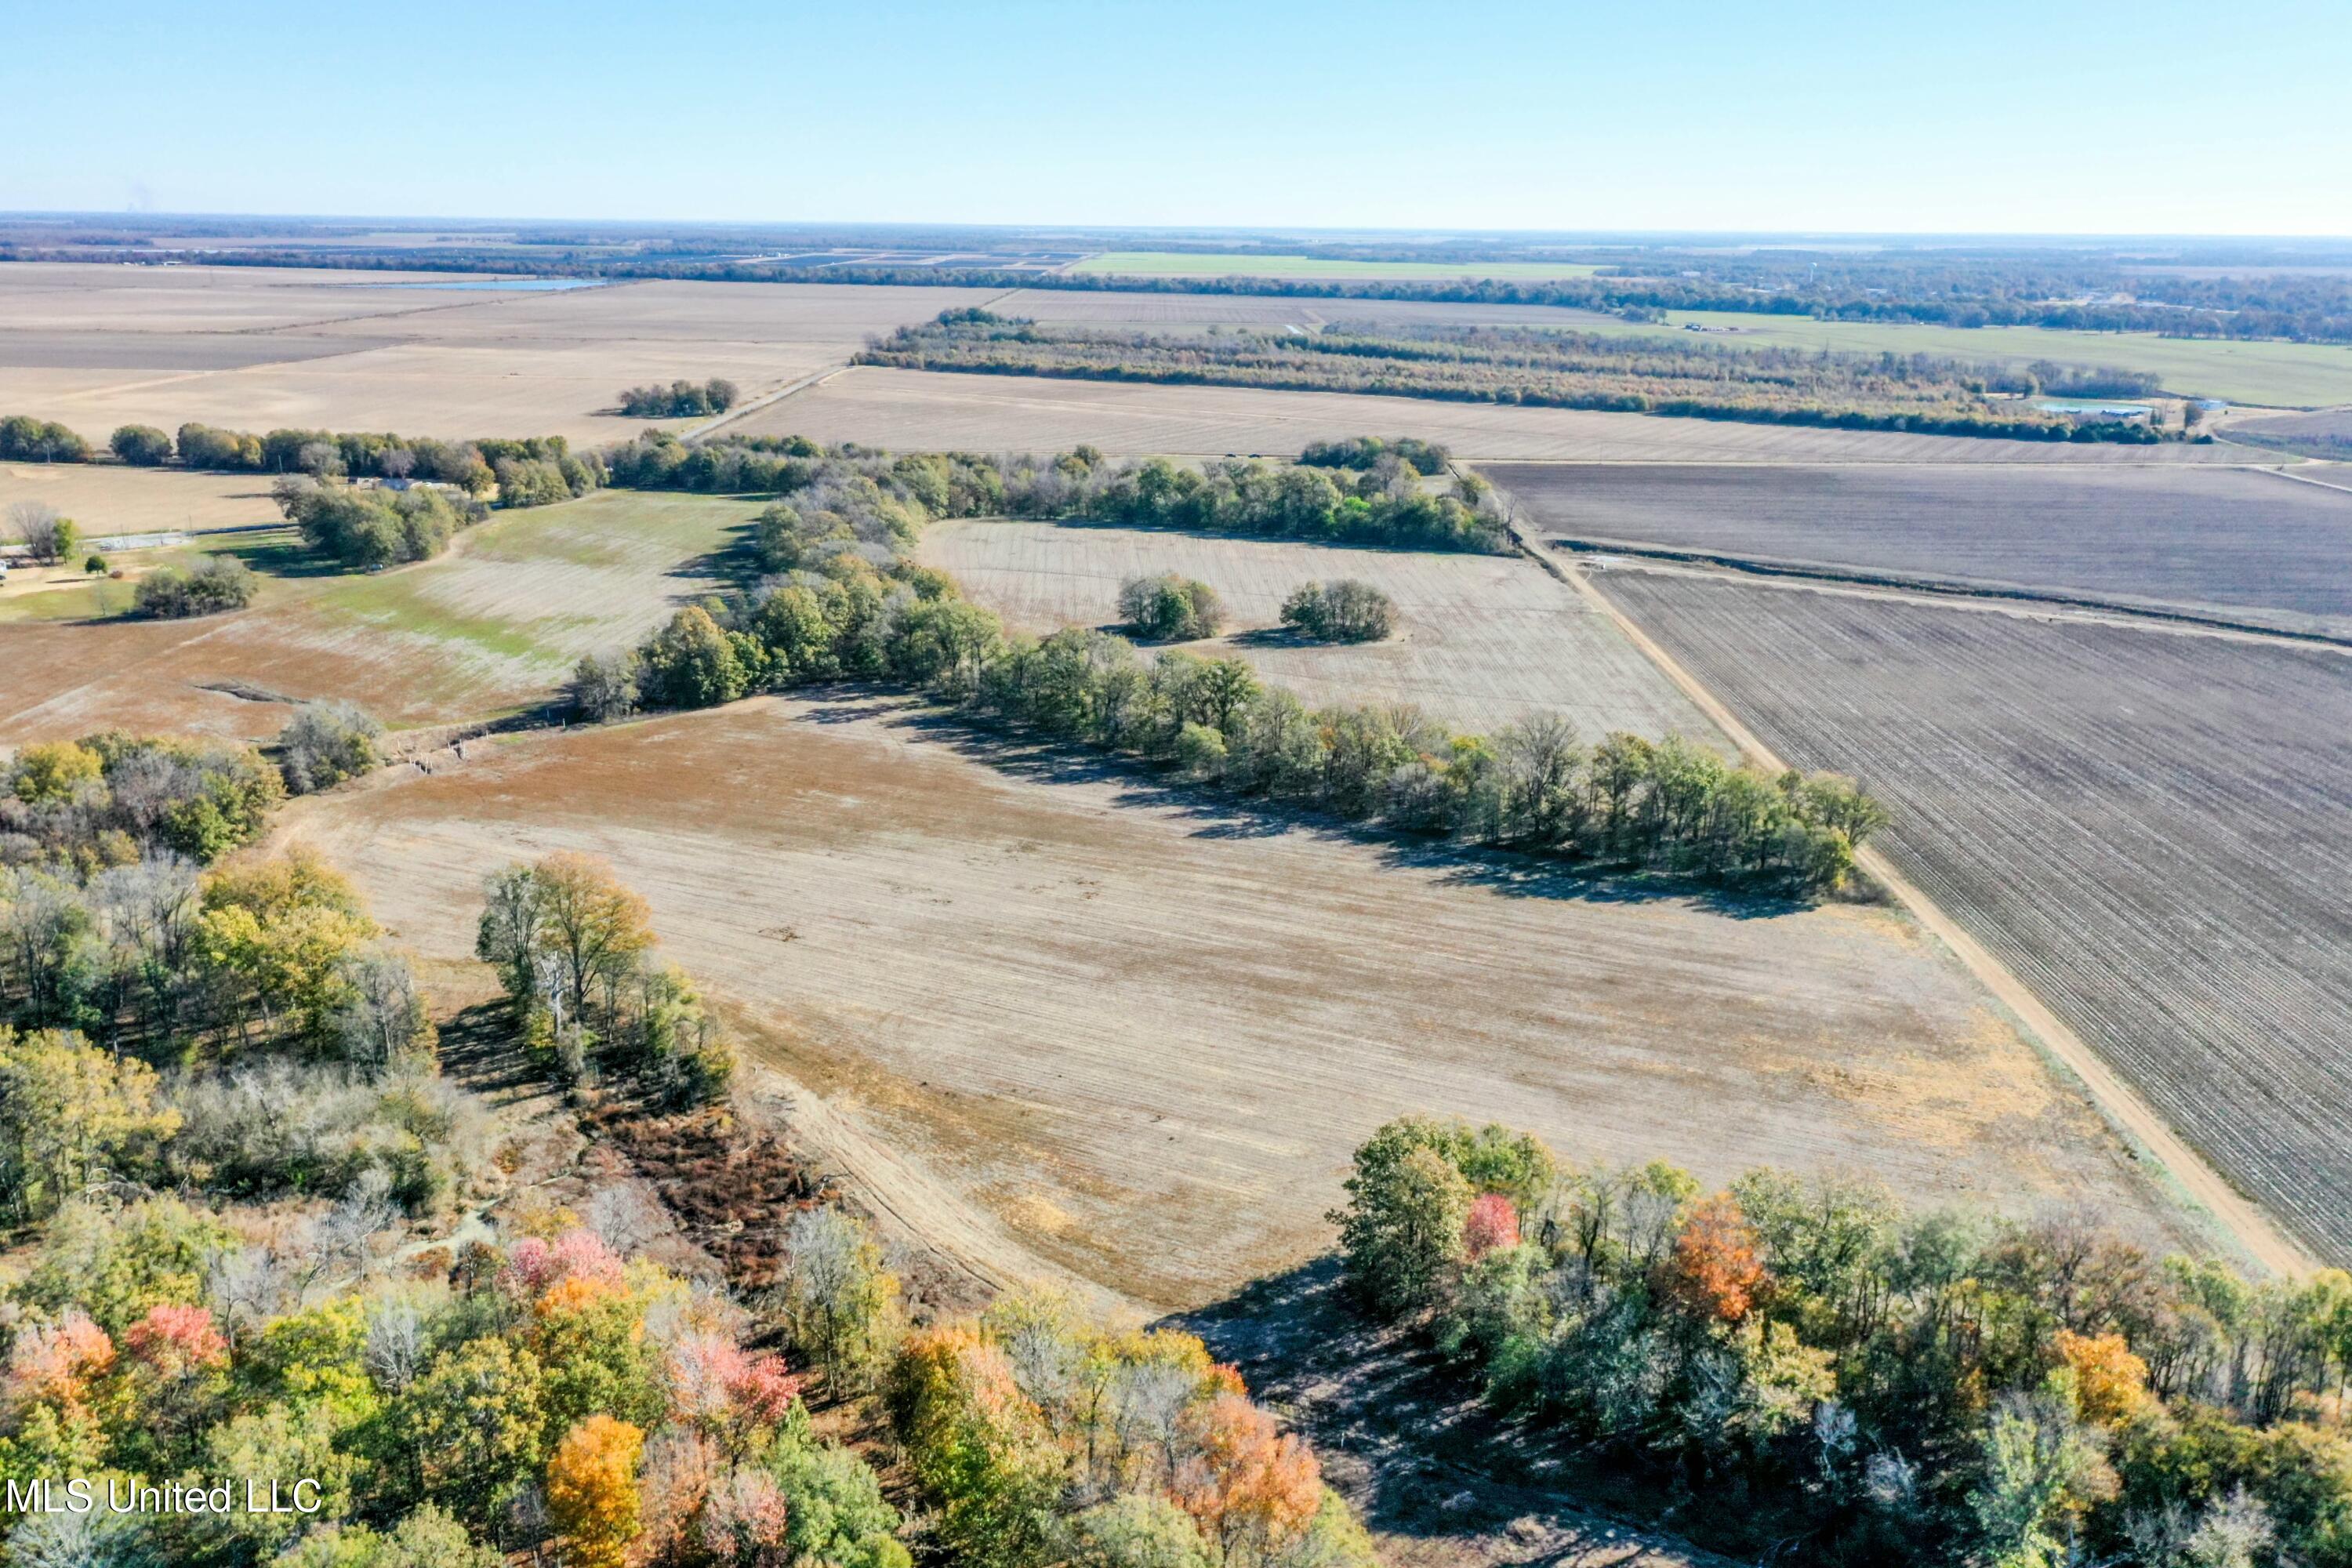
142, 446
69, 1113
691, 663
470, 1430
1401, 1230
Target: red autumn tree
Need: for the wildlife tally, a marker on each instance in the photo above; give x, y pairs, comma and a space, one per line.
1492, 1223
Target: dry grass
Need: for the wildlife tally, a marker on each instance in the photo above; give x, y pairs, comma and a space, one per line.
926, 409
1481, 640
107, 500
1142, 1031
254, 348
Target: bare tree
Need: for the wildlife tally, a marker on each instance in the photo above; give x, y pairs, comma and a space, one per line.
42, 529
625, 1217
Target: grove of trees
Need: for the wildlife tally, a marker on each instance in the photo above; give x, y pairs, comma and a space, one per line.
1345, 610
1804, 1367
574, 950
1170, 608
678, 400
208, 585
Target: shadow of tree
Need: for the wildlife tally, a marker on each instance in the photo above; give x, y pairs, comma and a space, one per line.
1211, 815
1405, 1437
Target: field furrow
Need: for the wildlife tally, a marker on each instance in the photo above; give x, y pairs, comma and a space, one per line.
2154, 832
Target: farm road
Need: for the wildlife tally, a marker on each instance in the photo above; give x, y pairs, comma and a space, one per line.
2263, 1239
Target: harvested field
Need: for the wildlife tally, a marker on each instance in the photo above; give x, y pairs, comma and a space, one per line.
2237, 543
2152, 829
926, 409
1143, 1029
1481, 639
490, 626
1177, 313
2327, 434
253, 348
107, 500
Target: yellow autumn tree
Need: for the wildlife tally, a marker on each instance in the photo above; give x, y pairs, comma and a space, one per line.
2110, 1381
592, 1491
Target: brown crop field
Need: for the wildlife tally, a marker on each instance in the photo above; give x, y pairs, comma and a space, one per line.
2238, 543
926, 409
253, 348
1481, 639
488, 628
1141, 1030
105, 499
2152, 828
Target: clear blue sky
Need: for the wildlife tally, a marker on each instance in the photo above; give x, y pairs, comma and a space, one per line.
2094, 117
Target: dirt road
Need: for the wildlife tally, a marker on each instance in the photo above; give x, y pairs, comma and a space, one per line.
2263, 1240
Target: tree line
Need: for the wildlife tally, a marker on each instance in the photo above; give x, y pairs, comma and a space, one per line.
2211, 291
1381, 502
1807, 1367
1533, 367
845, 602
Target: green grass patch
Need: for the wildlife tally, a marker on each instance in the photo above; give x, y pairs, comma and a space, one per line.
613, 528
1176, 263
638, 539
92, 600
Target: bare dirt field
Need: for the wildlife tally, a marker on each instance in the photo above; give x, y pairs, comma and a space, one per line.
253, 348
2152, 829
1143, 1029
106, 498
1481, 639
931, 409
2240, 543
1177, 313
489, 627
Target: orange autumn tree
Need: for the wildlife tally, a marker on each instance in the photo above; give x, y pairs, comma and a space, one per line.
1041, 1435
592, 1491
1715, 1271
1251, 1487
2110, 1381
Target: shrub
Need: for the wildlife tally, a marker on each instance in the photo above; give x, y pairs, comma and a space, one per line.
1170, 608
325, 744
1342, 611
216, 583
